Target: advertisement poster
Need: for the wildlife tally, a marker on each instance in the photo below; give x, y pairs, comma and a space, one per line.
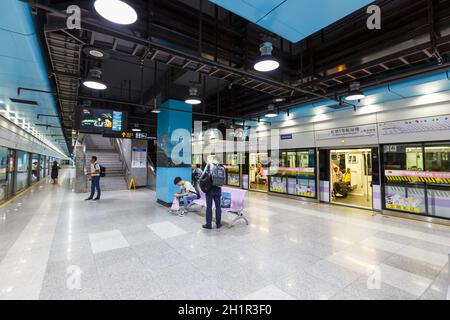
139, 158
233, 180
305, 190
399, 202
278, 184
225, 201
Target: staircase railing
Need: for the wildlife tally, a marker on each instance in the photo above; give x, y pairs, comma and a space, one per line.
151, 174
119, 147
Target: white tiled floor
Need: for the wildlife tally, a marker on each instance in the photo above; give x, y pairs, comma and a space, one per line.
166, 230
128, 247
107, 241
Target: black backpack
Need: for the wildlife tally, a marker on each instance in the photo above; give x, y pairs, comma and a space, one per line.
205, 182
218, 174
102, 171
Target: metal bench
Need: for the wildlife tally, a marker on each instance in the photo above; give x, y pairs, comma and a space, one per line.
236, 207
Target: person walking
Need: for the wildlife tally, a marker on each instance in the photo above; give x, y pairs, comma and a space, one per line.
211, 182
54, 172
94, 173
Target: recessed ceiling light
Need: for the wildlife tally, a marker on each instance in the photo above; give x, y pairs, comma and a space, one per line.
116, 11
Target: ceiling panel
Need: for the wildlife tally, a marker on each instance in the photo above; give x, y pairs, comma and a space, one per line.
22, 65
292, 19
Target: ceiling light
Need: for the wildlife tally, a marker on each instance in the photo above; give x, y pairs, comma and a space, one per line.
354, 92
116, 11
278, 100
94, 80
155, 108
96, 53
136, 128
267, 62
193, 96
271, 112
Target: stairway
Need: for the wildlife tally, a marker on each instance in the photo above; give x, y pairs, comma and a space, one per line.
108, 157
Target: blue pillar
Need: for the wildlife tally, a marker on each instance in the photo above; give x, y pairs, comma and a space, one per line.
178, 115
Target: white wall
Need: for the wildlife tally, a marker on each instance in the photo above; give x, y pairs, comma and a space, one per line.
12, 136
306, 132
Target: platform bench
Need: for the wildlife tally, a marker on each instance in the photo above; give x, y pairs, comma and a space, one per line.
236, 205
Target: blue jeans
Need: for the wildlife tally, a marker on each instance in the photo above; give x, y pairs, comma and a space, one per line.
187, 200
95, 184
215, 194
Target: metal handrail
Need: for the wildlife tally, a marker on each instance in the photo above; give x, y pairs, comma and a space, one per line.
125, 167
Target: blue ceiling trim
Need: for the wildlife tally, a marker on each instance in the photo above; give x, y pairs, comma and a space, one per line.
22, 65
293, 20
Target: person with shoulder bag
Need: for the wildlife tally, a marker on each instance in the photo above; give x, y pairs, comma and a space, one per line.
211, 182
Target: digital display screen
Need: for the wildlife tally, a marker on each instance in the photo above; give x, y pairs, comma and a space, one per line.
101, 120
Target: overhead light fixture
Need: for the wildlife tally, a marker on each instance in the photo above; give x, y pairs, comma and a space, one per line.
155, 107
94, 80
95, 52
136, 128
279, 100
267, 62
193, 97
354, 92
116, 11
271, 112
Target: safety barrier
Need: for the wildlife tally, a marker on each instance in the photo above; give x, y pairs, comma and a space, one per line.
232, 202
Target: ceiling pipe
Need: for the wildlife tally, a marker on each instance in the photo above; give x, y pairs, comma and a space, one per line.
87, 22
20, 89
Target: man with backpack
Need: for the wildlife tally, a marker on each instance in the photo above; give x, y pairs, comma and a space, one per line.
95, 173
211, 182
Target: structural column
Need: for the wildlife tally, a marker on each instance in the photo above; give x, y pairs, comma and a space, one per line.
174, 148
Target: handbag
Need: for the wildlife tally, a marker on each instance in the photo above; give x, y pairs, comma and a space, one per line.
175, 204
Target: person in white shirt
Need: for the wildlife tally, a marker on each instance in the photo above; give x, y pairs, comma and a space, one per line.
94, 173
187, 194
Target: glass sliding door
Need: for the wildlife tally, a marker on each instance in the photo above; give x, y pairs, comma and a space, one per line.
296, 174
417, 178
22, 170
42, 168
35, 171
3, 173
233, 170
437, 166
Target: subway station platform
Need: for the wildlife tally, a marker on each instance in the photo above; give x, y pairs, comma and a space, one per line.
55, 245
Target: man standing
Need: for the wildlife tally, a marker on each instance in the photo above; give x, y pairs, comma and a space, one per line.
94, 173
215, 173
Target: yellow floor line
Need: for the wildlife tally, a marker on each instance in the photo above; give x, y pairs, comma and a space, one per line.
21, 193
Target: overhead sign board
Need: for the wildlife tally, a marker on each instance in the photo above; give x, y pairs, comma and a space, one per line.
128, 135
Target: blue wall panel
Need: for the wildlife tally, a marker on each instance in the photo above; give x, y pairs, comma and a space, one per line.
174, 115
